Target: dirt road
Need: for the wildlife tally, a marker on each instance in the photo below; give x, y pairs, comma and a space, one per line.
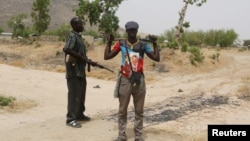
178, 106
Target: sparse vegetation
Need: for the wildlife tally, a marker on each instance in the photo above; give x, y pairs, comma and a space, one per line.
16, 23
222, 38
244, 90
184, 47
40, 15
215, 56
58, 53
196, 56
208, 104
205, 106
1, 30
101, 13
182, 14
37, 45
92, 33
17, 64
6, 100
62, 32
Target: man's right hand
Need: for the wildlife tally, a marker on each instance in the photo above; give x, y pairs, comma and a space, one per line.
92, 63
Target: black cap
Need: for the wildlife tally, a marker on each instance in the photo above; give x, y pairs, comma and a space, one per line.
131, 25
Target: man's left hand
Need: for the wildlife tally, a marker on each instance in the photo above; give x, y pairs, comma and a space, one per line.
152, 38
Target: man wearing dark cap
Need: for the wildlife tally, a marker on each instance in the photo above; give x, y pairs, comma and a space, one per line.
131, 25
131, 81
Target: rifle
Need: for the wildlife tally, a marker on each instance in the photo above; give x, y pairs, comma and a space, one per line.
79, 57
146, 40
89, 62
150, 38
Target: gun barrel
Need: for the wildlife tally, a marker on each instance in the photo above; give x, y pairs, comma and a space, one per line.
101, 66
146, 40
109, 70
118, 39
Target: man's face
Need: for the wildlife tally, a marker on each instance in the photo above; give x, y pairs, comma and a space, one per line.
79, 26
132, 32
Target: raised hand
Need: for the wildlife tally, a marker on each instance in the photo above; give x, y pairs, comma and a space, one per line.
110, 38
152, 38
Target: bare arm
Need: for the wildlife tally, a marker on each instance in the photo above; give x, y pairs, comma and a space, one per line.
74, 54
79, 57
154, 55
108, 53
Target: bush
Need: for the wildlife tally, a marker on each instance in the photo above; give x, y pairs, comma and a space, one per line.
215, 56
184, 47
92, 33
196, 56
6, 101
173, 45
62, 33
1, 29
246, 43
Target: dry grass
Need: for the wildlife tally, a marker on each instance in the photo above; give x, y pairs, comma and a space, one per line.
48, 56
244, 90
17, 64
19, 106
199, 137
44, 55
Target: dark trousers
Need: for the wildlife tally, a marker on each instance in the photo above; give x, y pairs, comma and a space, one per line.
76, 97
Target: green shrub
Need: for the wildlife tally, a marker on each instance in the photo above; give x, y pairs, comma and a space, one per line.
37, 45
58, 53
215, 56
1, 29
184, 47
62, 32
196, 56
6, 101
173, 45
246, 42
92, 33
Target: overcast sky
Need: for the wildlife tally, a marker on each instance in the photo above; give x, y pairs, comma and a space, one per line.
157, 16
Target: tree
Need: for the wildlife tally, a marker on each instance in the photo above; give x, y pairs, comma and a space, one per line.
17, 25
101, 13
182, 13
246, 43
226, 38
40, 15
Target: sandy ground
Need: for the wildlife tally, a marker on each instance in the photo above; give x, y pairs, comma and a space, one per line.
178, 106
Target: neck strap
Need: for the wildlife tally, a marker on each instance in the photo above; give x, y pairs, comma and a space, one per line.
128, 56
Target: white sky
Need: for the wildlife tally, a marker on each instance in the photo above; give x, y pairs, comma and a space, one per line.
157, 16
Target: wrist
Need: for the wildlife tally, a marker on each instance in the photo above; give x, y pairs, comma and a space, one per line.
109, 43
154, 44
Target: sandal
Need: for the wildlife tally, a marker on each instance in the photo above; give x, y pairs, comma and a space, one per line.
74, 124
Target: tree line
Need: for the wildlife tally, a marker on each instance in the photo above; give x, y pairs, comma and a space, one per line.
101, 13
